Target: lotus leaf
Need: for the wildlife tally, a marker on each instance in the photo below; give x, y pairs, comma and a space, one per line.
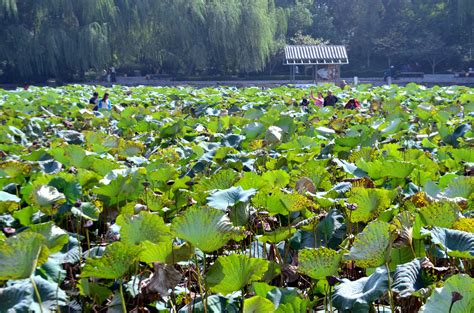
440, 213
55, 237
455, 243
8, 202
207, 229
442, 300
232, 273
117, 261
319, 263
460, 187
21, 254
370, 247
408, 278
46, 196
258, 304
20, 296
358, 295
223, 199
144, 226
370, 202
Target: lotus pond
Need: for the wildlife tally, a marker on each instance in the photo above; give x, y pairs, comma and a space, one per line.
234, 200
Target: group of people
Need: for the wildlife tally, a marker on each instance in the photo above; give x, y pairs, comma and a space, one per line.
103, 103
329, 100
110, 75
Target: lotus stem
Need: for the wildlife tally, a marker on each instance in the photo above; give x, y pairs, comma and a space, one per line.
198, 270
122, 298
390, 293
37, 293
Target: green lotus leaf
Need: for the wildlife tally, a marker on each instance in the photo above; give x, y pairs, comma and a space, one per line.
72, 155
462, 186
460, 286
278, 235
370, 203
357, 296
96, 291
55, 237
463, 155
223, 199
67, 185
293, 305
171, 130
46, 196
120, 186
130, 148
208, 229
386, 168
318, 174
223, 179
370, 246
258, 304
165, 252
52, 271
330, 231
8, 202
232, 273
350, 168
21, 254
144, 226
20, 296
86, 210
455, 243
276, 179
116, 262
70, 253
460, 131
319, 263
440, 213
14, 172
254, 130
408, 278
278, 202
251, 180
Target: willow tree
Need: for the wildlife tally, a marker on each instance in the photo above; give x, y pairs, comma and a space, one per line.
225, 36
44, 38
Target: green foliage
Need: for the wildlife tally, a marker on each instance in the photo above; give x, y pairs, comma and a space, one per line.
369, 202
442, 299
358, 295
103, 206
371, 246
20, 255
319, 263
257, 304
144, 226
117, 261
232, 273
206, 229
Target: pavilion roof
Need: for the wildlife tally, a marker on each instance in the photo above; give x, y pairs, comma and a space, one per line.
315, 54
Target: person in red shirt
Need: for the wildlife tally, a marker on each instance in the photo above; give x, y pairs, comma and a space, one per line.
352, 104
